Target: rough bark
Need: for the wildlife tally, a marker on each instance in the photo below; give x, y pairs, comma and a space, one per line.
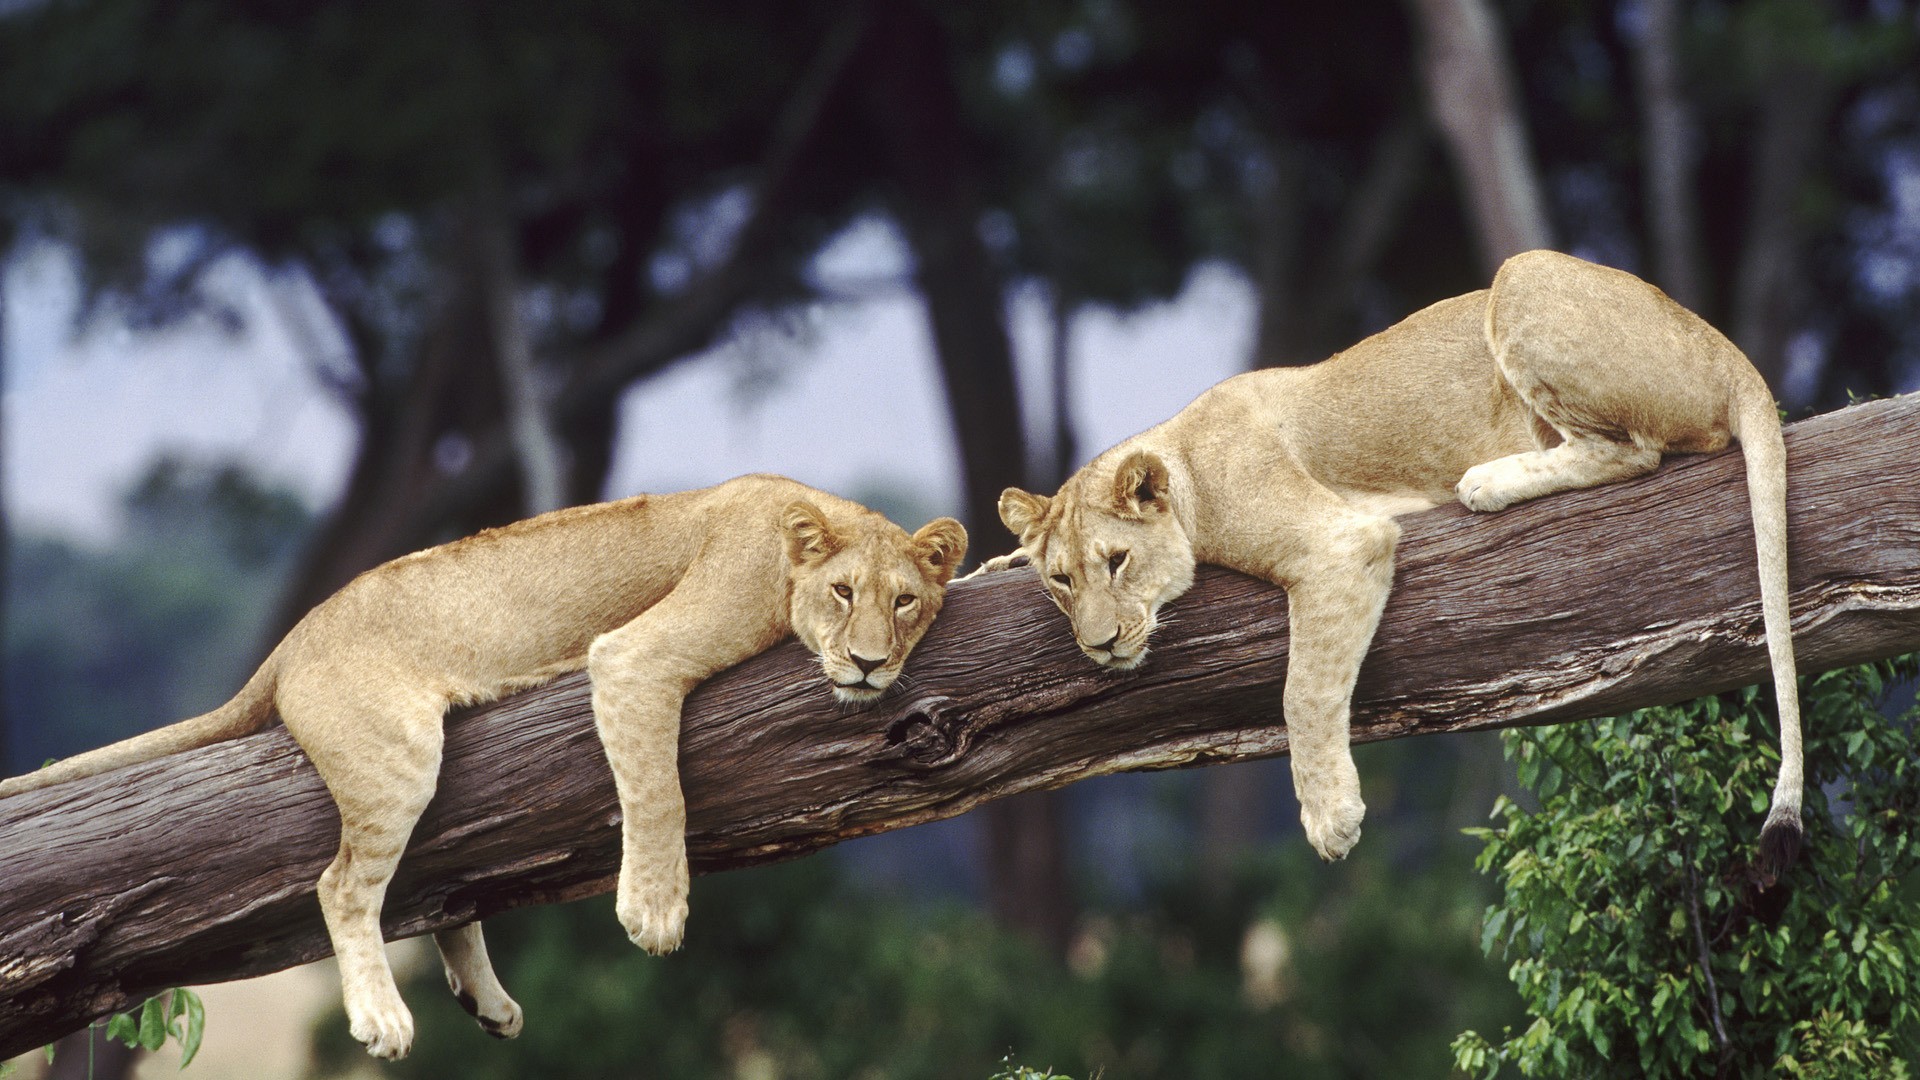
1470, 90
201, 867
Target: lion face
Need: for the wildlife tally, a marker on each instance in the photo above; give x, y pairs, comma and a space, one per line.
1109, 552
864, 592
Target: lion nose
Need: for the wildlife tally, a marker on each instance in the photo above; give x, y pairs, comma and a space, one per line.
865, 665
1107, 645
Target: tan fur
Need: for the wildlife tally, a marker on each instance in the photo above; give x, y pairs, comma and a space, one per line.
1562, 375
650, 594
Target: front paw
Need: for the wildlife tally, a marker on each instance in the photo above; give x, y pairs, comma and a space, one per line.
1000, 562
1333, 825
382, 1022
655, 918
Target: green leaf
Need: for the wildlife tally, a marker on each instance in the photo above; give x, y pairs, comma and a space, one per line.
121, 1026
196, 1015
153, 1023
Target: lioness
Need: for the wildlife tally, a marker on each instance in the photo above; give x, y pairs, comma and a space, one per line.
1562, 375
650, 594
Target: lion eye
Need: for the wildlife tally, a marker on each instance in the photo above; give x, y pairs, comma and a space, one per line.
904, 600
845, 591
1114, 562
1063, 581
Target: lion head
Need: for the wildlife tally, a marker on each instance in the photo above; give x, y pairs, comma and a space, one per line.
864, 591
1110, 551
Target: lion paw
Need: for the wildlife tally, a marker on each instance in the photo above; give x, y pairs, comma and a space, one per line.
499, 1016
1000, 562
382, 1022
1333, 827
1485, 488
654, 920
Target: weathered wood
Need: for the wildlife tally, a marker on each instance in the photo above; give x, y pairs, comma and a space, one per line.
201, 867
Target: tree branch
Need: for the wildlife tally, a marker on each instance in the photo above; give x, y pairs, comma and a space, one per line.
201, 867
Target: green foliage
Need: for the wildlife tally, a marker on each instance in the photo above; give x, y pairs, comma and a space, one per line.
1643, 942
176, 1014
1338, 971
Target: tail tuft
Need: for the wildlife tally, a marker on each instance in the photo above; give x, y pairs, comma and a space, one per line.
1779, 845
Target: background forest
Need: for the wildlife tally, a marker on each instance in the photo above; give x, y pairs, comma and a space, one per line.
514, 256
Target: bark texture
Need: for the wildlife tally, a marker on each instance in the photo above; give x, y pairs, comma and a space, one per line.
201, 867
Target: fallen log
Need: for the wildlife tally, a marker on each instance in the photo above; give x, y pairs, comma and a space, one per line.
201, 867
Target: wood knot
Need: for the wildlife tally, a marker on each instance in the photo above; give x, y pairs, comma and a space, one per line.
927, 734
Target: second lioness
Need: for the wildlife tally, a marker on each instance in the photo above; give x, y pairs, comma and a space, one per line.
1562, 375
651, 595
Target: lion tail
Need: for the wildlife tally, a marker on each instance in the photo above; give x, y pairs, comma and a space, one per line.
1757, 426
246, 713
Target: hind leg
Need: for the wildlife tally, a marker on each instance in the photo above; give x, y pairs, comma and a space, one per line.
1580, 461
381, 762
470, 976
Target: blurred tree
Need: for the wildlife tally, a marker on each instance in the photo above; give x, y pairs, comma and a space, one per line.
1469, 80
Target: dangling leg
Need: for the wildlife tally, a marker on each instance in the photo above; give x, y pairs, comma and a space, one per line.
1581, 461
641, 673
463, 950
381, 781
1333, 607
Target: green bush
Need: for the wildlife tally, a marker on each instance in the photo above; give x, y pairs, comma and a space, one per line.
1641, 939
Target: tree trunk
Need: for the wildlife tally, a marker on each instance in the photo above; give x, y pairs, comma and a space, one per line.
915, 108
1470, 90
201, 866
401, 425
495, 247
1769, 289
1667, 149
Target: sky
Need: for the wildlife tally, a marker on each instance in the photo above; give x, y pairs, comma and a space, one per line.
853, 402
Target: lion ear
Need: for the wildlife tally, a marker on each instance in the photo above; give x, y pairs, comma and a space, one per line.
1140, 484
940, 545
1022, 512
809, 537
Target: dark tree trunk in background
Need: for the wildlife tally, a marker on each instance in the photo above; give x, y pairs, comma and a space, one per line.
1470, 90
935, 177
1668, 146
492, 237
452, 388
1272, 191
915, 108
1769, 289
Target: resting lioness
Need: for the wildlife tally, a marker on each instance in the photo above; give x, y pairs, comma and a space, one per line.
1562, 375
650, 594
